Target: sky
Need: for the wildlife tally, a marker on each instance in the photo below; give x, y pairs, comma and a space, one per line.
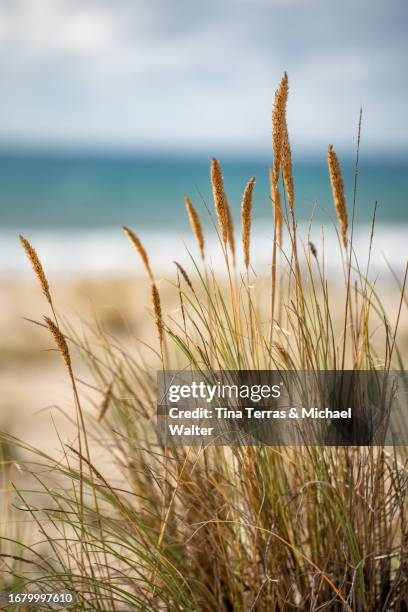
198, 77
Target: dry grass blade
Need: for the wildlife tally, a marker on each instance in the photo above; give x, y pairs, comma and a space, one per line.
220, 199
140, 249
339, 199
246, 210
195, 224
37, 267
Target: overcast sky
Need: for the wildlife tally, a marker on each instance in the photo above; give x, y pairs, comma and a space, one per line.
200, 75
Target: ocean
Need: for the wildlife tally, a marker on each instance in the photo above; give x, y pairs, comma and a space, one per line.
72, 206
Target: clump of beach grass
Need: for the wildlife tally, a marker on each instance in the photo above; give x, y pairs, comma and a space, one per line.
212, 528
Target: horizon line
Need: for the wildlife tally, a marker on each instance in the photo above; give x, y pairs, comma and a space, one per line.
70, 151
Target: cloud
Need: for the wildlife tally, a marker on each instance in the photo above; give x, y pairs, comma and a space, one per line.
201, 76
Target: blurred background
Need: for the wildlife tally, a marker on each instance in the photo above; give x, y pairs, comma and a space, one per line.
110, 111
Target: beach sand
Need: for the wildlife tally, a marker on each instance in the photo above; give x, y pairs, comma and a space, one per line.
33, 381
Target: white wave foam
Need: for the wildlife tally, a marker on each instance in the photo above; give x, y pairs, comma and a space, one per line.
107, 252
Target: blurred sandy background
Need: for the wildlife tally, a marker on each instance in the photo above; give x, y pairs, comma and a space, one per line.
33, 380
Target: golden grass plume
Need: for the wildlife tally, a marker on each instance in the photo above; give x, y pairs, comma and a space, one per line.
279, 120
37, 267
140, 249
158, 312
339, 199
286, 164
230, 227
184, 274
276, 200
220, 199
195, 225
246, 210
60, 342
279, 140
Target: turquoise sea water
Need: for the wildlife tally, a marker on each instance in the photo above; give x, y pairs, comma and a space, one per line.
55, 191
72, 209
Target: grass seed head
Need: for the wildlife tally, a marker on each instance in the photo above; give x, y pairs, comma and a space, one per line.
37, 267
60, 342
230, 231
312, 248
195, 224
276, 200
184, 274
286, 163
220, 199
339, 199
279, 121
157, 312
140, 249
246, 210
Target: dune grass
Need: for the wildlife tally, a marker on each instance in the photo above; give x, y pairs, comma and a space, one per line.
219, 528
